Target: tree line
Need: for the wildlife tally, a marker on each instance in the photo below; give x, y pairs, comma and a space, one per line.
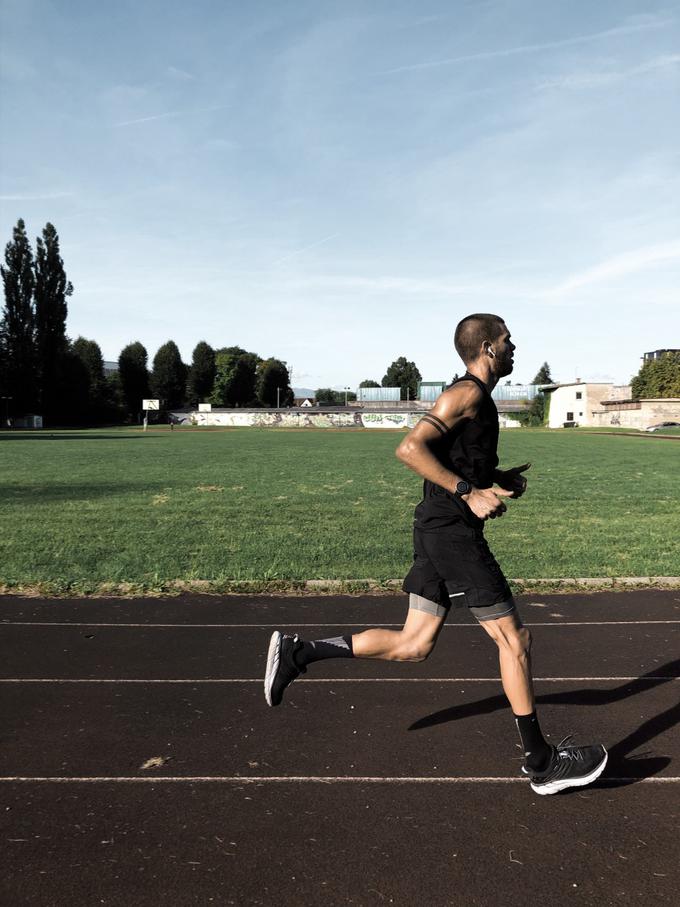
44, 372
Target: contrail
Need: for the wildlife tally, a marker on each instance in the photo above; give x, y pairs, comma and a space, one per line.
171, 113
313, 245
530, 48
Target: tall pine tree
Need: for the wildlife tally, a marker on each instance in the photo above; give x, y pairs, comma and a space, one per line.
202, 373
543, 375
90, 354
17, 329
51, 291
134, 377
169, 376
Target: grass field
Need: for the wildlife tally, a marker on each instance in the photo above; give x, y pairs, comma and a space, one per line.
81, 509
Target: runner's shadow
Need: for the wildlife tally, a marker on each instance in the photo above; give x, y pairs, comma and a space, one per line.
630, 768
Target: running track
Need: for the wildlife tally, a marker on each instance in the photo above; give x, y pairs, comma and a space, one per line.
373, 783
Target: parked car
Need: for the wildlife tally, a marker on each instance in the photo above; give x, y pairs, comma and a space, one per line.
661, 425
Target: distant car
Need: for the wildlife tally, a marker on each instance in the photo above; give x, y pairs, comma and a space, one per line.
661, 425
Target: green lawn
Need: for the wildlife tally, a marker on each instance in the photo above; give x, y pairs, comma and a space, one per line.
79, 509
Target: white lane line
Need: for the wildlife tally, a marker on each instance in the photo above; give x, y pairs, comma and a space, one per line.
566, 623
300, 779
647, 679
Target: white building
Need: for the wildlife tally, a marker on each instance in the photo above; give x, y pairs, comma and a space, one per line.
574, 404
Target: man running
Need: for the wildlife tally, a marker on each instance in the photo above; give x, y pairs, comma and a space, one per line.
453, 448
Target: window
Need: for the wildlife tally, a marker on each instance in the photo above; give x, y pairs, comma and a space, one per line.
570, 417
580, 414
579, 395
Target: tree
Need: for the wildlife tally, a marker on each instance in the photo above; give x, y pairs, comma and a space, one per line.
368, 383
17, 328
51, 291
658, 377
72, 405
334, 398
235, 375
169, 376
273, 383
134, 376
90, 354
543, 375
403, 374
536, 414
327, 395
201, 372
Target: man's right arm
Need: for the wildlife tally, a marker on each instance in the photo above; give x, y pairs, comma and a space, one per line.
455, 405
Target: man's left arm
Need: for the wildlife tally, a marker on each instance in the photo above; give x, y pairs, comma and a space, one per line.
512, 479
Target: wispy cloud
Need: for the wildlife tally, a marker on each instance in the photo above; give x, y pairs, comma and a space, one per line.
595, 79
620, 265
313, 245
171, 113
34, 197
533, 48
181, 74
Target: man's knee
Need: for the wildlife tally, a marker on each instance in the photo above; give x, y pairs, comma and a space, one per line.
413, 649
511, 639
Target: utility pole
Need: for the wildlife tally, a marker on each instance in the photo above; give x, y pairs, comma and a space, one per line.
278, 397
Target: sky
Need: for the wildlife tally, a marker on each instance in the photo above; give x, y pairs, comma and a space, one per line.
337, 183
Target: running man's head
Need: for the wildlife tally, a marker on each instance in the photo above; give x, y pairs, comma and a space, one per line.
483, 337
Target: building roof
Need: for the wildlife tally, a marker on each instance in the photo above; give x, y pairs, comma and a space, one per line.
553, 387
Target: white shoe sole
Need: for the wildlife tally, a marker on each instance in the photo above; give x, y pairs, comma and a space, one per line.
273, 657
554, 787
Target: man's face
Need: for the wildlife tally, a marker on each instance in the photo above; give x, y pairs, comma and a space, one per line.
504, 350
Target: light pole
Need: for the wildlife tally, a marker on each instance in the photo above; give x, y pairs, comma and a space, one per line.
346, 391
278, 398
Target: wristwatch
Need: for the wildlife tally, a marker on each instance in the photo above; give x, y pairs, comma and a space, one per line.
462, 488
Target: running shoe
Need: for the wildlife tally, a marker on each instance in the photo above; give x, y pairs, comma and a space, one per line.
570, 766
281, 667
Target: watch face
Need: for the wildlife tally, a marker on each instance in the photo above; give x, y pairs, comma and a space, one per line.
463, 487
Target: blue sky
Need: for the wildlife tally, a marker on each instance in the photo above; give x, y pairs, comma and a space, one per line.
338, 183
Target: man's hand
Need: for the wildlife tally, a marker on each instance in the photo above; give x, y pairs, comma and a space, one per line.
486, 503
513, 479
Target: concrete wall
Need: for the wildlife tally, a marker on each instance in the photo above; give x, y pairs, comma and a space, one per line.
640, 415
292, 418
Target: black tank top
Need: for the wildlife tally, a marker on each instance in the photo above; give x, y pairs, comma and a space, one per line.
469, 450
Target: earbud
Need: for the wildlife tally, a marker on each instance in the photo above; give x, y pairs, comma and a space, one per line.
492, 354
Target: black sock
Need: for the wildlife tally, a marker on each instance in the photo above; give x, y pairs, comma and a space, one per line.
317, 649
537, 751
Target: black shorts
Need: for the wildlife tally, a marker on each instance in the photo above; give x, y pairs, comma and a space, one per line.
454, 567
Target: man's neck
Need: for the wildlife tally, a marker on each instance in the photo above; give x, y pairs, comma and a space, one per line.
482, 370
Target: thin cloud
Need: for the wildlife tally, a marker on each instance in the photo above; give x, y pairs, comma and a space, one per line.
171, 113
178, 73
433, 288
620, 265
533, 48
313, 245
38, 197
594, 79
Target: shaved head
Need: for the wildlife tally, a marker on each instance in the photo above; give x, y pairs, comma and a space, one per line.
473, 331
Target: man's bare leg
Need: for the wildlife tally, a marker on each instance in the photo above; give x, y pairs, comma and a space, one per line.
413, 642
288, 656
514, 654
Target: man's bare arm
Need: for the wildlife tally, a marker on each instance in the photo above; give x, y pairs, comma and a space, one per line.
460, 402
